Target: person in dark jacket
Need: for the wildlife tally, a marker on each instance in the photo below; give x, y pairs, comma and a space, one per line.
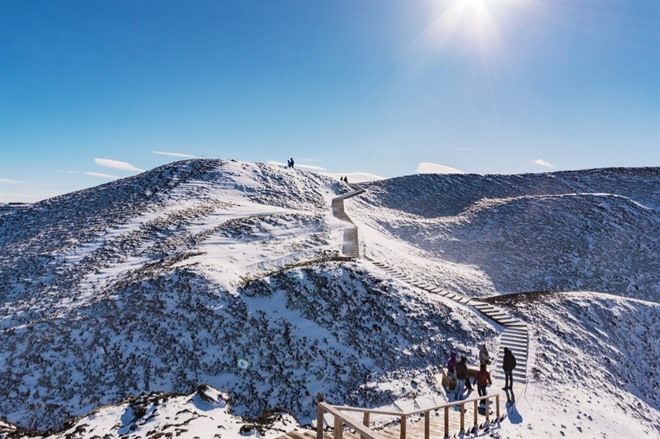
483, 380
484, 358
461, 371
508, 364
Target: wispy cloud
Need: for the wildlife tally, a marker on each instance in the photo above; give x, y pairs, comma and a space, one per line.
9, 181
176, 154
543, 163
102, 175
116, 164
311, 167
434, 168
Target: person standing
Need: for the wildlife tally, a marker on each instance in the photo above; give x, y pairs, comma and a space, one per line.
461, 371
291, 161
484, 358
508, 364
483, 380
451, 364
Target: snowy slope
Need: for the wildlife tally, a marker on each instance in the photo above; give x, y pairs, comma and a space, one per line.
499, 234
595, 372
229, 273
152, 290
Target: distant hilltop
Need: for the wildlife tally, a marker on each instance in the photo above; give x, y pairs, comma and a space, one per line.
12, 206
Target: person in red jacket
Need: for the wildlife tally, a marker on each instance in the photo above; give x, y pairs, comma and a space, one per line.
483, 379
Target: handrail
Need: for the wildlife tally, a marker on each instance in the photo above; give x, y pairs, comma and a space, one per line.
415, 412
367, 433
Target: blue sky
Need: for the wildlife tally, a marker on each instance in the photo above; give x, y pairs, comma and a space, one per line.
89, 90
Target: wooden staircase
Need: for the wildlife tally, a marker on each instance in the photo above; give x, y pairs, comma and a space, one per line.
449, 420
514, 336
433, 421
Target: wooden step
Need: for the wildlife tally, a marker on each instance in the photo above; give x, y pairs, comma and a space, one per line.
513, 345
515, 332
514, 338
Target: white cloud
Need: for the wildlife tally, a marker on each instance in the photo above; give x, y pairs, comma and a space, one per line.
116, 164
102, 175
176, 154
434, 168
310, 167
543, 163
9, 181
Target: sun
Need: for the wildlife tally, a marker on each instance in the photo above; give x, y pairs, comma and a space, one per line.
471, 20
473, 3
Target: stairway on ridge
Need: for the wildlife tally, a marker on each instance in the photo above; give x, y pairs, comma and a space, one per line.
350, 247
514, 336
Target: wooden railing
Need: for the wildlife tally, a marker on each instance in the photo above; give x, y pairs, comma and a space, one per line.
341, 419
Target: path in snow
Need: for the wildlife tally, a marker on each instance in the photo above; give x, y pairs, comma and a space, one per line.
350, 247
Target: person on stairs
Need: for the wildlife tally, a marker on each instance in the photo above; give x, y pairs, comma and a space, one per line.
451, 364
483, 380
484, 358
461, 372
508, 364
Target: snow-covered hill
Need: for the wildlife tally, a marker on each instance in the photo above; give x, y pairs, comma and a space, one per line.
230, 273
593, 230
595, 370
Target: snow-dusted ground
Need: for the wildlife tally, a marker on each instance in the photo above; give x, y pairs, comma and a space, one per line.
229, 273
595, 371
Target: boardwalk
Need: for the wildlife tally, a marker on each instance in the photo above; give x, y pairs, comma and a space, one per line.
514, 336
447, 421
350, 247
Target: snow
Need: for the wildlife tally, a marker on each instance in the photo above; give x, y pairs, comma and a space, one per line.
229, 274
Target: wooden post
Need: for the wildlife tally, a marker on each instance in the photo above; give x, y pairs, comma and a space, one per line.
446, 421
339, 428
462, 418
403, 427
365, 422
476, 413
497, 406
319, 421
487, 401
427, 425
